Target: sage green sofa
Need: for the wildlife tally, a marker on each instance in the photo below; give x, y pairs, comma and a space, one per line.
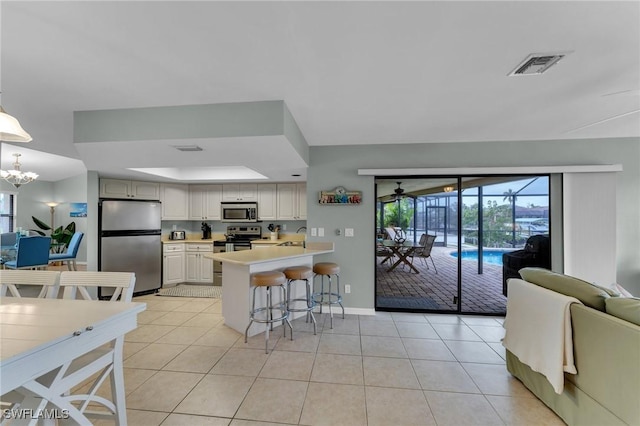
606, 390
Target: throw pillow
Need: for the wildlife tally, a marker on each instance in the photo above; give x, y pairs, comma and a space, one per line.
585, 292
622, 290
611, 291
626, 308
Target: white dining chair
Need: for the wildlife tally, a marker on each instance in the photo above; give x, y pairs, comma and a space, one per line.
25, 283
105, 361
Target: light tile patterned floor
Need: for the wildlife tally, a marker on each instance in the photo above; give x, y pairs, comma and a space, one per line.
183, 366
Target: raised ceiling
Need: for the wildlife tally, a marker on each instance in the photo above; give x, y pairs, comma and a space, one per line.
349, 72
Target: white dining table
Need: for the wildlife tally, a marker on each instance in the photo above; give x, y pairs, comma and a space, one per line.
40, 335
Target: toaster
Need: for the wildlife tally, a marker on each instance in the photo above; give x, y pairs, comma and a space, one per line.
177, 235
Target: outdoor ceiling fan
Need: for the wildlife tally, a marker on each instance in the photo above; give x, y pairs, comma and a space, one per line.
399, 193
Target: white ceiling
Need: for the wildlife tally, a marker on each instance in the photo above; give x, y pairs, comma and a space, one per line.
349, 72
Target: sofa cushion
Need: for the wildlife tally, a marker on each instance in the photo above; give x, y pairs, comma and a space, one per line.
590, 295
626, 308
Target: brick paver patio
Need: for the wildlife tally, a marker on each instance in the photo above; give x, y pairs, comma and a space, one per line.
431, 291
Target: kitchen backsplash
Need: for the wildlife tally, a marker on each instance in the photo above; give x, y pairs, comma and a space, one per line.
218, 227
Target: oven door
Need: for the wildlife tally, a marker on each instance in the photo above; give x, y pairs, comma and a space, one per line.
217, 265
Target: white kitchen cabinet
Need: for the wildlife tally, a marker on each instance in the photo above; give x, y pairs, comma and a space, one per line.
173, 264
301, 190
239, 192
175, 201
204, 202
292, 201
199, 268
267, 201
130, 189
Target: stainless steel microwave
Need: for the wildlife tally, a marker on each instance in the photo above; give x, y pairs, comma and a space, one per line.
239, 212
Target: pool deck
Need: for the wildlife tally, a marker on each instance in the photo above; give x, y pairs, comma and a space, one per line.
431, 291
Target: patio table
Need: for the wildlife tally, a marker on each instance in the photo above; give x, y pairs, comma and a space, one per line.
402, 251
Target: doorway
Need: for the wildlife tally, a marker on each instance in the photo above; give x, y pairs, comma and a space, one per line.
474, 220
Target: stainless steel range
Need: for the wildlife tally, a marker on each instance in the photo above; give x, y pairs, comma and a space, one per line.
237, 238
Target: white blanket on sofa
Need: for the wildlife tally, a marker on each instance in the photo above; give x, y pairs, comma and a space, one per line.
538, 330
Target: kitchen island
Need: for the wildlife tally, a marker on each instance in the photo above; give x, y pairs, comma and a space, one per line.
237, 267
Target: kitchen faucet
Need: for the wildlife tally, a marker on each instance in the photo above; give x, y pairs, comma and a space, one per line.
301, 228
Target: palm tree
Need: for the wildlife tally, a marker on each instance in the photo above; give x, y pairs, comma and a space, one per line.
512, 196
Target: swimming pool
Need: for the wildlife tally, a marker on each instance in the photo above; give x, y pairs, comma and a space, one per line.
492, 256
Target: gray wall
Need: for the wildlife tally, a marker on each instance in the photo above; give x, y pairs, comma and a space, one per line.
333, 166
31, 199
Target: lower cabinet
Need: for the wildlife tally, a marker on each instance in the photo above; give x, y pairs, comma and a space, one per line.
173, 264
199, 268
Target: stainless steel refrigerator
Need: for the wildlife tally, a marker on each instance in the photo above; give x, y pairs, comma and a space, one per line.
130, 233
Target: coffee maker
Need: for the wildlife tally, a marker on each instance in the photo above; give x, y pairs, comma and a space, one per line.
206, 231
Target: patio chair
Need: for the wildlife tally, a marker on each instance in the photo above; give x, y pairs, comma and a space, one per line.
391, 233
32, 252
385, 252
424, 252
70, 255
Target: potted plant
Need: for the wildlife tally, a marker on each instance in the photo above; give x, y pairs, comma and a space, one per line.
60, 237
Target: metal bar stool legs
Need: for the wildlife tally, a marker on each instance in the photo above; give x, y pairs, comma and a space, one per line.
301, 273
333, 297
268, 280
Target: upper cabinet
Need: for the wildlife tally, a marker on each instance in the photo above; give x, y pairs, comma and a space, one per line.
240, 192
204, 202
175, 201
292, 201
267, 201
301, 190
131, 189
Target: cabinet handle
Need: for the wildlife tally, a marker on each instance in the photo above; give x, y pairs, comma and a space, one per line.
77, 332
89, 328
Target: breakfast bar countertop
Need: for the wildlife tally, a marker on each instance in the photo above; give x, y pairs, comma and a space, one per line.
270, 254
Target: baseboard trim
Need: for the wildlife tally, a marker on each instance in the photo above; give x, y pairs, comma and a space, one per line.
359, 311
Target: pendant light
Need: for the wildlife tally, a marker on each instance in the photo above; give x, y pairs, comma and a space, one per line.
10, 129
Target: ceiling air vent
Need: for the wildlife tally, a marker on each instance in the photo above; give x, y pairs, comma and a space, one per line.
188, 148
537, 63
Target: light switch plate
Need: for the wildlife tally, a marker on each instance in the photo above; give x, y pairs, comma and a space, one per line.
320, 232
314, 232
348, 232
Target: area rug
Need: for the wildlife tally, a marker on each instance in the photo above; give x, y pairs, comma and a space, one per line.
185, 290
407, 302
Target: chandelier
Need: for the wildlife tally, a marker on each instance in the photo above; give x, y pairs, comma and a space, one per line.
16, 177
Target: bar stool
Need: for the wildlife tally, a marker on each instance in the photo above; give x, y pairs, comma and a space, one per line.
267, 280
328, 269
301, 273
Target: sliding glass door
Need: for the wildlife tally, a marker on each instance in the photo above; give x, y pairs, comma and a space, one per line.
499, 215
453, 232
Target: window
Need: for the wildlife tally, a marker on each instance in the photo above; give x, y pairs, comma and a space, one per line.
7, 211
